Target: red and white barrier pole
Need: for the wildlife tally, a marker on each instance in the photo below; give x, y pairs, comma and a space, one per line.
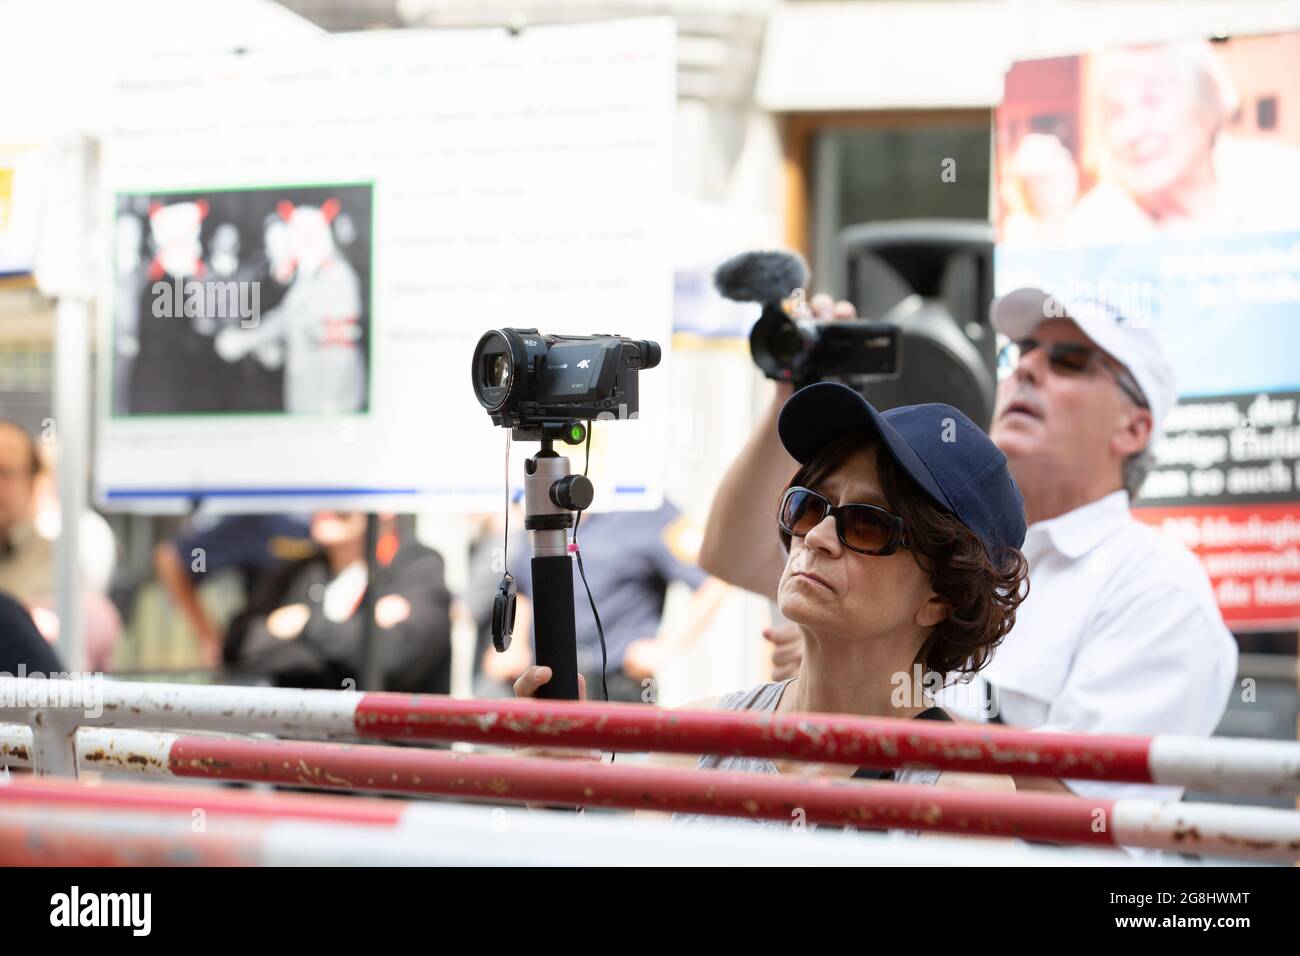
1218, 765
54, 822
1211, 829
47, 791
31, 836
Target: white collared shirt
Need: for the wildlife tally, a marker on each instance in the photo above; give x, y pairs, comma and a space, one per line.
1120, 634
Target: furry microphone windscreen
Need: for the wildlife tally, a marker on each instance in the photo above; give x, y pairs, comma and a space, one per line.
761, 276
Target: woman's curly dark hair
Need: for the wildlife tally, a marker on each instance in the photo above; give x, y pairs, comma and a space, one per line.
981, 590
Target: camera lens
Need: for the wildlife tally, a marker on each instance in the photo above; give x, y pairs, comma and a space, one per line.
496, 367
498, 372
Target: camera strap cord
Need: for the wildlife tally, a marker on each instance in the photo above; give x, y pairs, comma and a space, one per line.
600, 630
577, 553
505, 535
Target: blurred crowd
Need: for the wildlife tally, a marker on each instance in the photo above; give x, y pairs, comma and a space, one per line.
301, 582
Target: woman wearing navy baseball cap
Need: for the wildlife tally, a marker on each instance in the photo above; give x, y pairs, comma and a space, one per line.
903, 532
902, 527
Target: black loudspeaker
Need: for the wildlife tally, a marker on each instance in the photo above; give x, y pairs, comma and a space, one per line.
933, 278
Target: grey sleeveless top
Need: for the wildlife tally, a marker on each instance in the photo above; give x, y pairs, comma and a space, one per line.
765, 697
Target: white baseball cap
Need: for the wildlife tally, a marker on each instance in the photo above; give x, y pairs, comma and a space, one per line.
1129, 342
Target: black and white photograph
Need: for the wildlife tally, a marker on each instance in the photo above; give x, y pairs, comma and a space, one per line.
248, 300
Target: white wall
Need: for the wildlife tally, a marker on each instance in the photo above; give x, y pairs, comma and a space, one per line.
930, 54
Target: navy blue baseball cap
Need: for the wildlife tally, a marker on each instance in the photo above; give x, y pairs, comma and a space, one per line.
947, 454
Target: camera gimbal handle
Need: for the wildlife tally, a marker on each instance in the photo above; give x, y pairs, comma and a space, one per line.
551, 497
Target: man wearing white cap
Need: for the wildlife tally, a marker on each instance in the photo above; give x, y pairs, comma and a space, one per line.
1120, 632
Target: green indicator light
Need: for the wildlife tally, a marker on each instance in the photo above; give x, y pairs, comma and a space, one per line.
577, 432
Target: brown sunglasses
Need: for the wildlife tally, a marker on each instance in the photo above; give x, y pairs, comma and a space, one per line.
866, 529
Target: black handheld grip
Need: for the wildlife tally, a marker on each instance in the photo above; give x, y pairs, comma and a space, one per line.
553, 634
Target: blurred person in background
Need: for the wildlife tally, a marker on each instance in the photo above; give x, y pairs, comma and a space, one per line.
302, 627
253, 545
494, 673
22, 648
1041, 186
631, 558
30, 524
26, 558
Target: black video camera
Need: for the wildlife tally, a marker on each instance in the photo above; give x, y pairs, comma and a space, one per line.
791, 347
539, 385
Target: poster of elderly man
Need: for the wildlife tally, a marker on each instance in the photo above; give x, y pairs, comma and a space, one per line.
236, 301
1161, 181
1179, 140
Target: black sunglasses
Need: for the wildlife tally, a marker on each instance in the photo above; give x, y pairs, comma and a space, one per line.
865, 529
1069, 358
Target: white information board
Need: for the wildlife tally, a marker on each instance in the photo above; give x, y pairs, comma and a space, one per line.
308, 242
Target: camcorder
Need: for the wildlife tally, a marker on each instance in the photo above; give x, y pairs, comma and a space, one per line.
792, 347
543, 388
545, 385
